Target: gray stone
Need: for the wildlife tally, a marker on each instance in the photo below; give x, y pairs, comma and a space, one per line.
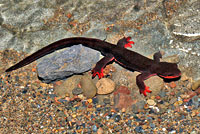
59, 65
77, 91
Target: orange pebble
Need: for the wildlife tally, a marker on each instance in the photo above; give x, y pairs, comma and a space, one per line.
186, 100
158, 97
172, 84
33, 69
69, 15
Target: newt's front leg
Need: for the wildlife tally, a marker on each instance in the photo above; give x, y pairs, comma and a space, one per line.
140, 82
98, 69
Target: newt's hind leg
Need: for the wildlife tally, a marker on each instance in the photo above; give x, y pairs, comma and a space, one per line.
98, 69
140, 82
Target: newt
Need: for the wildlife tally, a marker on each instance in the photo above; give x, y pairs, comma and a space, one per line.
118, 53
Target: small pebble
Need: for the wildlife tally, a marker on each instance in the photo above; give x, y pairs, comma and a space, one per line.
172, 132
158, 97
38, 106
118, 128
105, 86
117, 118
106, 100
89, 100
94, 128
24, 91
151, 102
152, 125
196, 84
139, 129
95, 100
77, 91
172, 84
129, 122
173, 100
145, 126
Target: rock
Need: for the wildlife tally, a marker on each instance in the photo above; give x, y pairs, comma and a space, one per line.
123, 90
59, 65
151, 102
106, 100
105, 86
196, 84
172, 84
77, 91
67, 86
122, 98
89, 88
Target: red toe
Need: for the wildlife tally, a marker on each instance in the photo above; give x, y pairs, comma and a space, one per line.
99, 73
147, 89
128, 38
144, 92
127, 45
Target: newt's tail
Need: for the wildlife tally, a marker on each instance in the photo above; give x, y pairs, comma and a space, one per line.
96, 44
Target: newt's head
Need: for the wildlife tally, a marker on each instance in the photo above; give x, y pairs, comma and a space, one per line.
168, 70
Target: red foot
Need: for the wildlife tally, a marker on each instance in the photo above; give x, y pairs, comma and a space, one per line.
129, 42
99, 73
145, 91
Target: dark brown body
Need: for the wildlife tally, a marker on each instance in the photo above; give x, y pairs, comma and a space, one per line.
132, 60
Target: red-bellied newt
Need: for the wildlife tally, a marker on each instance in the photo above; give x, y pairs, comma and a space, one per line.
127, 58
